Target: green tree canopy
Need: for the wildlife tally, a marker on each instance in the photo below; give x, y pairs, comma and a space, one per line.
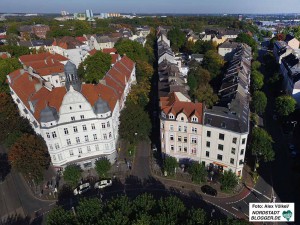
177, 38
206, 94
203, 46
12, 125
59, 216
72, 175
134, 123
257, 80
198, 172
132, 49
170, 163
213, 62
259, 102
247, 39
143, 210
15, 50
255, 65
285, 105
103, 165
94, 68
89, 211
6, 67
261, 145
29, 155
197, 216
228, 181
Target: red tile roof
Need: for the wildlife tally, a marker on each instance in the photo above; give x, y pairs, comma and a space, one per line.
50, 70
114, 58
23, 85
109, 50
4, 56
52, 98
82, 39
172, 104
93, 52
41, 57
3, 36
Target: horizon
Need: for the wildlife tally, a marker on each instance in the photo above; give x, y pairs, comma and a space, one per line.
155, 6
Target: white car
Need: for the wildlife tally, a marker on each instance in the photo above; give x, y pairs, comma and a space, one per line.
103, 183
82, 188
154, 148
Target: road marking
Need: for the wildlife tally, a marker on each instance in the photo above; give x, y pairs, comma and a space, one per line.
235, 208
52, 204
261, 194
245, 202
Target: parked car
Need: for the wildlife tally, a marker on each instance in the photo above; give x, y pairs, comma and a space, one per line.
294, 153
154, 148
82, 188
103, 183
291, 147
209, 190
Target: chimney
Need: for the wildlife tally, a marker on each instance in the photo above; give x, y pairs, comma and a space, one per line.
103, 82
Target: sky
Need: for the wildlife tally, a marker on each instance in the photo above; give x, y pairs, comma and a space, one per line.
152, 6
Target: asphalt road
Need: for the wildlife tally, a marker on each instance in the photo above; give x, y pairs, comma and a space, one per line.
16, 199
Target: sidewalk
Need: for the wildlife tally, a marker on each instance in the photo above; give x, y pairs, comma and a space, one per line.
182, 182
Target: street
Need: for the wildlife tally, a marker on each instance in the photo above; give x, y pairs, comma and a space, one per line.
16, 199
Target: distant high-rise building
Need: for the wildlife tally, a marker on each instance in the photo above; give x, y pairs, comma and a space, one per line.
89, 13
64, 13
240, 17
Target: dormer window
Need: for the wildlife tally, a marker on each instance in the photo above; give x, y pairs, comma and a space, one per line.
171, 116
194, 119
182, 119
209, 121
223, 125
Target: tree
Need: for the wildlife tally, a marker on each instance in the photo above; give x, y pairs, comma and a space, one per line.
143, 70
59, 216
170, 164
261, 145
228, 181
257, 80
172, 207
203, 46
197, 216
213, 62
256, 65
132, 49
259, 102
198, 172
6, 67
134, 123
285, 105
29, 155
11, 123
89, 211
247, 39
94, 67
103, 165
205, 94
72, 174
177, 38
15, 50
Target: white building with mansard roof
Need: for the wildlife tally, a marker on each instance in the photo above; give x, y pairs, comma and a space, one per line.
79, 122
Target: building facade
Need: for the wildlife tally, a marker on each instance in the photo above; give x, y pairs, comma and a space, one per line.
79, 122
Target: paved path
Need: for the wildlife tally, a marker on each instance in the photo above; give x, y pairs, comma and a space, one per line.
16, 199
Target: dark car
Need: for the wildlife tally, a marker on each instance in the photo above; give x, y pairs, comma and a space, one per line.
209, 190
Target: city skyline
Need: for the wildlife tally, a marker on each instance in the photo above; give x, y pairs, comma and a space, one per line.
154, 6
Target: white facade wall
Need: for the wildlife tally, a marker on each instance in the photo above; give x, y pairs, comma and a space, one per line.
232, 149
181, 139
87, 136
